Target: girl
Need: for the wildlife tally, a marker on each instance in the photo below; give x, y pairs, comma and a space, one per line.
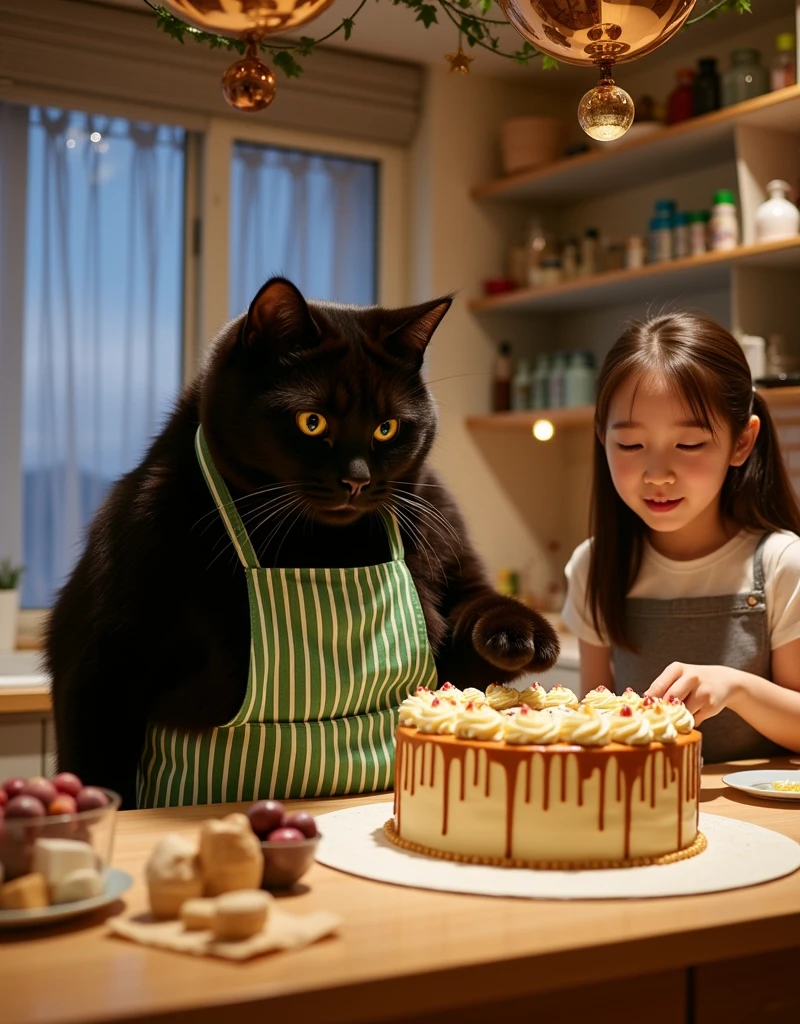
690, 584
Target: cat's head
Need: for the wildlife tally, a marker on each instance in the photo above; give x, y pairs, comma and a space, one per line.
325, 399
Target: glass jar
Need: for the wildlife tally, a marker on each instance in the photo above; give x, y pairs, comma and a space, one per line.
680, 102
556, 384
746, 78
540, 390
784, 63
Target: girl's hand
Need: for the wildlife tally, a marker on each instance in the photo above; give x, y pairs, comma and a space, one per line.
704, 689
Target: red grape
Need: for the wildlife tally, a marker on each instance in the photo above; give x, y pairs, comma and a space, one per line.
13, 787
25, 807
285, 835
42, 789
66, 782
303, 822
3, 798
265, 815
90, 798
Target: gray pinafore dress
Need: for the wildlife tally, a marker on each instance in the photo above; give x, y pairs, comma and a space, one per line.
728, 630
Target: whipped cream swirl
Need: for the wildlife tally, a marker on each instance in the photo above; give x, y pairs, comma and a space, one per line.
525, 726
479, 722
534, 697
633, 729
586, 727
501, 697
560, 696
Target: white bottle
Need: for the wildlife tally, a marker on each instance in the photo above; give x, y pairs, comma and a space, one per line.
755, 352
724, 225
777, 217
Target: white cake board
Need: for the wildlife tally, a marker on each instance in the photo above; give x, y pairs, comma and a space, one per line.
738, 854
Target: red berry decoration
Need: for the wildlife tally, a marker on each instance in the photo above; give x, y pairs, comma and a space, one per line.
24, 807
91, 798
63, 804
303, 822
265, 816
648, 702
13, 787
66, 782
626, 711
41, 788
448, 686
285, 835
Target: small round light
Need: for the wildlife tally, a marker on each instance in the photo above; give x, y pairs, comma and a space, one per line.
606, 112
543, 430
95, 136
70, 143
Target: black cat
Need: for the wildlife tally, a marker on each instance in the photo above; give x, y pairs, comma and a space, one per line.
154, 624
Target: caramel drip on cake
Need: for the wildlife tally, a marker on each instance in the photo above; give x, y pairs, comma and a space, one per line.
682, 759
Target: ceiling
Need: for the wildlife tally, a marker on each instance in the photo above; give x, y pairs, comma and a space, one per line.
388, 30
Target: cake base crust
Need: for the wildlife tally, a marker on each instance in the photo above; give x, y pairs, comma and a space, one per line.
697, 846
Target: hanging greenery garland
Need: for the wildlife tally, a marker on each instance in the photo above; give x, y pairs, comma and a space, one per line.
470, 17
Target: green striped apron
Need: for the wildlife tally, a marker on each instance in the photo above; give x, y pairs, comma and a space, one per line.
333, 652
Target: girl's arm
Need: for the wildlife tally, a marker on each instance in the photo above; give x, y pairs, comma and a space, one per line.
595, 667
771, 707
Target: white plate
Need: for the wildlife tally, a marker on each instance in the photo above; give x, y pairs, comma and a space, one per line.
759, 783
116, 883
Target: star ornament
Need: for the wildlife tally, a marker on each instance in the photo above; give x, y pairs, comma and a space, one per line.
459, 61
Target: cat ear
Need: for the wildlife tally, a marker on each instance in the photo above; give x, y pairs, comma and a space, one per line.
279, 320
408, 331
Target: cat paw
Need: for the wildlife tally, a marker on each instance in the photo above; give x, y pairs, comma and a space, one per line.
512, 638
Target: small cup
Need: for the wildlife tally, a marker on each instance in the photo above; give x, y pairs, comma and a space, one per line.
286, 863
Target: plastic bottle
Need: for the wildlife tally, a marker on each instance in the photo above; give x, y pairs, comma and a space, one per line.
777, 217
556, 383
755, 351
659, 240
569, 259
784, 65
698, 242
502, 378
634, 252
680, 102
746, 78
521, 384
579, 379
681, 241
724, 224
540, 389
550, 271
706, 86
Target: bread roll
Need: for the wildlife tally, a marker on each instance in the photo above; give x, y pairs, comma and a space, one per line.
173, 875
230, 855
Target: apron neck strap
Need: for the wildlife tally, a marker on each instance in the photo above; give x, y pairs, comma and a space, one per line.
227, 509
393, 532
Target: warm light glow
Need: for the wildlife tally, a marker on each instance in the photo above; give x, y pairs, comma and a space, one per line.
543, 430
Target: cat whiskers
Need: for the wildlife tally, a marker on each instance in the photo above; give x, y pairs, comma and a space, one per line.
301, 511
244, 497
416, 533
433, 519
283, 502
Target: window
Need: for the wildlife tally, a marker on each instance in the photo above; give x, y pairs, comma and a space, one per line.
101, 320
308, 216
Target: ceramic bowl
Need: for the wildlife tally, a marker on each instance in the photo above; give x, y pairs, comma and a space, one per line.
286, 863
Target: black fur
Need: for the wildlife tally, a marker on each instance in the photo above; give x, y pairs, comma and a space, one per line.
154, 624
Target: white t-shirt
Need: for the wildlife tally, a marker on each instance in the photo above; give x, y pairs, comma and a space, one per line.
728, 570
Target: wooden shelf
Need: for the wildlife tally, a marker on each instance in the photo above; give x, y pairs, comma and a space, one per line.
699, 142
692, 274
583, 415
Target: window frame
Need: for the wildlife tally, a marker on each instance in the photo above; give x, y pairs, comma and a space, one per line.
209, 153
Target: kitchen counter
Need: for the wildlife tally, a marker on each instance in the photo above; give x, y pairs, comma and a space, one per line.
415, 955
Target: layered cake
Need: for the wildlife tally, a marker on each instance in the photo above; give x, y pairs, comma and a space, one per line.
536, 778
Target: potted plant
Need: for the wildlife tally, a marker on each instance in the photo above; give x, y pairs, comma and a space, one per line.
10, 575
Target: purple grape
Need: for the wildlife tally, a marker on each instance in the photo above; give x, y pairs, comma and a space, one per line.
303, 822
40, 788
90, 798
285, 835
265, 815
25, 807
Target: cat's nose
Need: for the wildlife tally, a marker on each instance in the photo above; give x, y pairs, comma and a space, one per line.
356, 485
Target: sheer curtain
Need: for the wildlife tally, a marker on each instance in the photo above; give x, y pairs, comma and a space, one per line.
308, 216
102, 320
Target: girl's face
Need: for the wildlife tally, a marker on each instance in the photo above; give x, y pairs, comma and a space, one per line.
667, 467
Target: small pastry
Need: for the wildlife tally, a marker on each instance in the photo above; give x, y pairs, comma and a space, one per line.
230, 855
198, 915
533, 697
81, 884
240, 915
173, 875
25, 893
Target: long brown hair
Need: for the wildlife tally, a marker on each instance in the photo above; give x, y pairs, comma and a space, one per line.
707, 367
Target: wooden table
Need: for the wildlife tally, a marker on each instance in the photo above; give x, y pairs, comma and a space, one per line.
415, 955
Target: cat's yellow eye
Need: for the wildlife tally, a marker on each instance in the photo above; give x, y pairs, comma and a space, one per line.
313, 424
387, 430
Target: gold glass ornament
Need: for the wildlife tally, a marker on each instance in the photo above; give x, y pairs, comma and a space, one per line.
598, 33
246, 19
249, 85
606, 112
459, 61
